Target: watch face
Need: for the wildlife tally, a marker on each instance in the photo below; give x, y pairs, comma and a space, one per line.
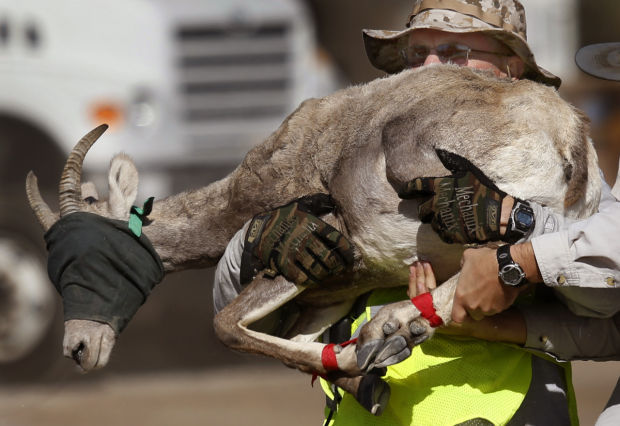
512, 274
524, 218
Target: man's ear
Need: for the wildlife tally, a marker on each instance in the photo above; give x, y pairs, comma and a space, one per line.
516, 66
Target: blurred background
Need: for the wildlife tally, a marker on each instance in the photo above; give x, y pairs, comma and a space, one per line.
188, 87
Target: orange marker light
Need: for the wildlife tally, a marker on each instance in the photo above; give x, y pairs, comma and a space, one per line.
107, 112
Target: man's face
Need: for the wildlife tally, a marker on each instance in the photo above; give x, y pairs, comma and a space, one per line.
487, 53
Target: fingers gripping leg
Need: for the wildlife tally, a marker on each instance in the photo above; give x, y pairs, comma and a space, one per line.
388, 338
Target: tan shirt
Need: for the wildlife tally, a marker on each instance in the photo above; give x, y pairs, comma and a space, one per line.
581, 261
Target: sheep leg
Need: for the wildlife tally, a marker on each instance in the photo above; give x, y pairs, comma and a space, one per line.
262, 297
389, 336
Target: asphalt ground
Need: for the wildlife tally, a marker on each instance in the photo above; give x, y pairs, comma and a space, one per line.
249, 395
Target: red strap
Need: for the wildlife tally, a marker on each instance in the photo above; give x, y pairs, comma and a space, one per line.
424, 303
328, 357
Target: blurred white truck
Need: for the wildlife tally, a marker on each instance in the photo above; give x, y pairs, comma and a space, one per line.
183, 83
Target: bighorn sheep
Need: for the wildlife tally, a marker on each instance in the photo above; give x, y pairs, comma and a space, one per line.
361, 145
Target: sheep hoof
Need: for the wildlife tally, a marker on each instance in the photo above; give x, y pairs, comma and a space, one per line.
373, 394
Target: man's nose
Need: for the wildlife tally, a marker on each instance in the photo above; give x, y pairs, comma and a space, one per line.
432, 59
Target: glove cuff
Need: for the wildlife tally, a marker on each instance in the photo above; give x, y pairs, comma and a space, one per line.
250, 263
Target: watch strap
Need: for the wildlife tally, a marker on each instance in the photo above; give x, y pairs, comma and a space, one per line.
503, 256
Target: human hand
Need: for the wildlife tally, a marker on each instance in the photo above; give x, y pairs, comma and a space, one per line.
465, 207
479, 291
421, 279
291, 240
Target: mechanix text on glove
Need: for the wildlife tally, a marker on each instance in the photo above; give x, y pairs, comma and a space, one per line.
464, 207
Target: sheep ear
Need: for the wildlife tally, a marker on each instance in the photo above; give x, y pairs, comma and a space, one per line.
123, 181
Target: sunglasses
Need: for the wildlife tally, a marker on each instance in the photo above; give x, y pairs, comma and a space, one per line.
454, 53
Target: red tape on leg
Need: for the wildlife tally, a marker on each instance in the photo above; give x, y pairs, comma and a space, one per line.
328, 357
424, 303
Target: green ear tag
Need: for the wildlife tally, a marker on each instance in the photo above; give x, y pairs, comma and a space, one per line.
137, 216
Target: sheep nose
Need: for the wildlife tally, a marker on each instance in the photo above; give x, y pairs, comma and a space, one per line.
78, 353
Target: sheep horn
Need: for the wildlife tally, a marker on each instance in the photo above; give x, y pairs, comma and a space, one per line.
44, 214
69, 198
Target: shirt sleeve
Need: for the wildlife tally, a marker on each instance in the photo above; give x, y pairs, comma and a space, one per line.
579, 253
553, 329
580, 259
227, 281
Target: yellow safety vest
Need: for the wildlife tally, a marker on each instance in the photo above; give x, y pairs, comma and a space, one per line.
447, 380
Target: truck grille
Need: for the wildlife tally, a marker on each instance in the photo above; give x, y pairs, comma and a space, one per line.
231, 74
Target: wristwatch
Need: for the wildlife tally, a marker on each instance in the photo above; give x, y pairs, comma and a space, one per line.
520, 223
510, 272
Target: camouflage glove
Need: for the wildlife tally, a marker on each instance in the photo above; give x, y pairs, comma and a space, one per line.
292, 241
464, 207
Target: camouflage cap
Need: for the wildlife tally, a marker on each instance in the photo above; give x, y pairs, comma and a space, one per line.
601, 60
503, 20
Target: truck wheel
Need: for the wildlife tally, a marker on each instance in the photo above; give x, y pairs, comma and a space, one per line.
26, 298
27, 302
